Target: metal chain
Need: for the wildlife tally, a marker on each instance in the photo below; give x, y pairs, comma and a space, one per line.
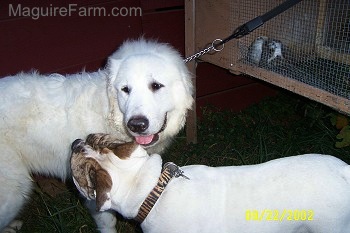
245, 29
213, 45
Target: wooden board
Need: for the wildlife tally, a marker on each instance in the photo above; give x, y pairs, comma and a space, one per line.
190, 22
212, 22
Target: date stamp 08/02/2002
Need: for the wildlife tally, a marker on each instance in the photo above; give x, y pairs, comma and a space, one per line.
279, 215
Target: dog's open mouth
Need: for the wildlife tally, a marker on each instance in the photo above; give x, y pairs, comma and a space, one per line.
148, 140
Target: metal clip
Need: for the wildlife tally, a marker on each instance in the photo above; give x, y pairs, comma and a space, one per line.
174, 170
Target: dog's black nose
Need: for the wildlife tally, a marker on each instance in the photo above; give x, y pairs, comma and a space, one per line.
75, 145
138, 124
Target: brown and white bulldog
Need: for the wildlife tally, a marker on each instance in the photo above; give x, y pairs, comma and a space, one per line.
299, 194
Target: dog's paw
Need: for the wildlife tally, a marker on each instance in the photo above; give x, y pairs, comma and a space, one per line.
98, 140
13, 227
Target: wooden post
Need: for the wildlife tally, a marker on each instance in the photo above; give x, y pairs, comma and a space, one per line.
191, 122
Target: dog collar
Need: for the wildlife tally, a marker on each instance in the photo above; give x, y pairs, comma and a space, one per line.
169, 171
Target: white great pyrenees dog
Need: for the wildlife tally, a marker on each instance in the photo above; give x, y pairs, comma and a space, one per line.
143, 94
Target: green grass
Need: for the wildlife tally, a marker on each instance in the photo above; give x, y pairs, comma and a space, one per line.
279, 127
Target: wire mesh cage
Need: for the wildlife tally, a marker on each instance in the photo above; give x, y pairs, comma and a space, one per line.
309, 43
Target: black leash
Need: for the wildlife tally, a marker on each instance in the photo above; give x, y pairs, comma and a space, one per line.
246, 28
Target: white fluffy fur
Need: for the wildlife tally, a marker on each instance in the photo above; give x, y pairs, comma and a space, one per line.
40, 115
217, 199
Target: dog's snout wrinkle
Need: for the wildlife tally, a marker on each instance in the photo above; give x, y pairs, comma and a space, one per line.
138, 124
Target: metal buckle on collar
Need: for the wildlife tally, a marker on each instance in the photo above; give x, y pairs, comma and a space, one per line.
174, 170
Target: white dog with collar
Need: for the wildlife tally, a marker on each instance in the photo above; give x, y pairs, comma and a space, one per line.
305, 193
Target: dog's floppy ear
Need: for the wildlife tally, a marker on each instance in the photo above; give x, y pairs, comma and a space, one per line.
89, 177
185, 100
112, 71
112, 68
103, 185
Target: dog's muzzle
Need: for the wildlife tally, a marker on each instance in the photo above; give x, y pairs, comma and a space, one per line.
139, 125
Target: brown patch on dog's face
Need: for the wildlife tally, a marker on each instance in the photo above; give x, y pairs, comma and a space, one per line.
89, 176
102, 140
105, 143
124, 151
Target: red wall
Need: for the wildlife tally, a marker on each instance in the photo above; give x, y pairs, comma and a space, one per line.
217, 87
70, 44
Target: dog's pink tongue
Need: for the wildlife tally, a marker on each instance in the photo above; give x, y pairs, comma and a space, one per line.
143, 140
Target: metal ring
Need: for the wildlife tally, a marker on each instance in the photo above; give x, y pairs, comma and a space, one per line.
213, 45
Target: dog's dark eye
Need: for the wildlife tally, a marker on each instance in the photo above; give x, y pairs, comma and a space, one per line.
126, 89
156, 86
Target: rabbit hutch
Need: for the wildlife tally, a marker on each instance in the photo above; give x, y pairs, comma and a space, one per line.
305, 49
